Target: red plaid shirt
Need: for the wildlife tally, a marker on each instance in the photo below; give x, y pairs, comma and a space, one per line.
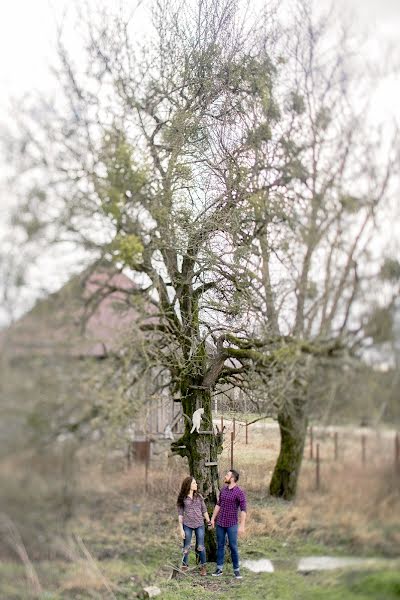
229, 501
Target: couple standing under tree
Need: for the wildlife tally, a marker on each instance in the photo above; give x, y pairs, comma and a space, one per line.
191, 514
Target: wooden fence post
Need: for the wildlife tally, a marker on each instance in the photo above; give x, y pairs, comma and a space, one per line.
363, 448
232, 438
146, 475
234, 427
222, 422
311, 443
317, 468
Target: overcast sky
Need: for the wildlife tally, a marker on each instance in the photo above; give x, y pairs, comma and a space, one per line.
28, 33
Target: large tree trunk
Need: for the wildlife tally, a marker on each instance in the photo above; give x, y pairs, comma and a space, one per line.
200, 449
292, 420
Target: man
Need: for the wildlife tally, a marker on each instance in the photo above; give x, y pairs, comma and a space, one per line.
225, 515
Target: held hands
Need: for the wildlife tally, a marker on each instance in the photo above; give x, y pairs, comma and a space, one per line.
212, 524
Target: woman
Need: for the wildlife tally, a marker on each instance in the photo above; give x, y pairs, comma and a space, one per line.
191, 514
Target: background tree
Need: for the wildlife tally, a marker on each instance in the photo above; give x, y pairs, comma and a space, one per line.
318, 177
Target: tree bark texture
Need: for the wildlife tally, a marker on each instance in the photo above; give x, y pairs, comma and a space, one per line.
292, 419
200, 449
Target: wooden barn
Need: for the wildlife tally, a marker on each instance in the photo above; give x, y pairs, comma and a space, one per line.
67, 334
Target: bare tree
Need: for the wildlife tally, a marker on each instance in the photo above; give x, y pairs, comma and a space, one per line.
318, 176
119, 165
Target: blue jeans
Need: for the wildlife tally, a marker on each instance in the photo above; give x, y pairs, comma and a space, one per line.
200, 548
232, 533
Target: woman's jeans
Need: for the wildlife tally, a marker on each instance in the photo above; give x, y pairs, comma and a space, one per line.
200, 548
232, 533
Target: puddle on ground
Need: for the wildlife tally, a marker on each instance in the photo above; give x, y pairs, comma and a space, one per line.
328, 563
315, 563
263, 565
285, 564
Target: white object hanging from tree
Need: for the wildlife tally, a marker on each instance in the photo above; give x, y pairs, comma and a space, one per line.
196, 419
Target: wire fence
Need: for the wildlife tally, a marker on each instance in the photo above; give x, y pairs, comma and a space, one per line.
323, 445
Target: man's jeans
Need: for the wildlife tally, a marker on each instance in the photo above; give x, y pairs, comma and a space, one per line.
232, 533
200, 548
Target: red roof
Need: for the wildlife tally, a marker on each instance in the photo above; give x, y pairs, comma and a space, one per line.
86, 317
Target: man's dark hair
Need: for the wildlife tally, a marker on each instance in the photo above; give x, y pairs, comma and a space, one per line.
235, 474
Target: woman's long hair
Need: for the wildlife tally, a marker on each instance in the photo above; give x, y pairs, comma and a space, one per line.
185, 489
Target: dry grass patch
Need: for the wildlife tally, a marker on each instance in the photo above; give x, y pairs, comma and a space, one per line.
357, 505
